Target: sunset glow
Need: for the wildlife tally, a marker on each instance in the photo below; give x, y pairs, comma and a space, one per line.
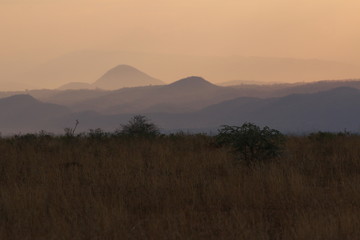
36, 31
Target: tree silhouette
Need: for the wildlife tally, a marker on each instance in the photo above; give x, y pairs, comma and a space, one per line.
250, 142
139, 125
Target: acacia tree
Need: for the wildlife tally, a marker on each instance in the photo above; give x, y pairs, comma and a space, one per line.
250, 142
139, 125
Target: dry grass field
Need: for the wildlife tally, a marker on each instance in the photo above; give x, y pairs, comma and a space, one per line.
176, 187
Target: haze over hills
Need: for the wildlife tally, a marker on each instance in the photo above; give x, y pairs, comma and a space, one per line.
76, 86
86, 66
189, 103
318, 86
74, 96
333, 110
282, 89
118, 77
185, 95
70, 97
15, 86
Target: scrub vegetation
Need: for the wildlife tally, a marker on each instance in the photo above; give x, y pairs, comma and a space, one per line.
102, 185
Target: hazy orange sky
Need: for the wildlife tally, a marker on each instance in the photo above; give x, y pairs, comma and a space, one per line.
37, 30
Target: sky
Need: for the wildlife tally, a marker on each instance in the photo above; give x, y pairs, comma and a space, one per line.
34, 31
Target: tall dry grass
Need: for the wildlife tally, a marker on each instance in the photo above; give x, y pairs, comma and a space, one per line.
179, 187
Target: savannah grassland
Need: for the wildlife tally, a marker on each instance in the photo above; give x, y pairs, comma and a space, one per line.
176, 187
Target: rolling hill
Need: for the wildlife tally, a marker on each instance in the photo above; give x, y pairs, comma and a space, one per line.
23, 113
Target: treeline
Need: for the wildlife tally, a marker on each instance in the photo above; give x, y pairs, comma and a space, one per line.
248, 143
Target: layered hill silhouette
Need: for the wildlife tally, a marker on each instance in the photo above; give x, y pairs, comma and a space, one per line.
188, 94
318, 86
333, 110
185, 95
190, 103
23, 113
283, 89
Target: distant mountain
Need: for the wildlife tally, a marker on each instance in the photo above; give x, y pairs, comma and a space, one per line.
21, 113
76, 86
125, 76
86, 66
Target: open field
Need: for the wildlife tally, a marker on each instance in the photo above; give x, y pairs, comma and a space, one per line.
176, 187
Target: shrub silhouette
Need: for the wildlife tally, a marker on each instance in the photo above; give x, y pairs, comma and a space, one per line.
70, 132
327, 136
97, 134
139, 126
250, 142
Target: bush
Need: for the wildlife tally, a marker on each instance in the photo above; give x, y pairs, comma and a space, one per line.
139, 126
70, 132
250, 142
327, 136
97, 133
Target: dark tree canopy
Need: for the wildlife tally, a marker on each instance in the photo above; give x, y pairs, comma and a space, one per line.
250, 142
139, 125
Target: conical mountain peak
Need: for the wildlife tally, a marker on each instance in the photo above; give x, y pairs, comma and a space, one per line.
125, 76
